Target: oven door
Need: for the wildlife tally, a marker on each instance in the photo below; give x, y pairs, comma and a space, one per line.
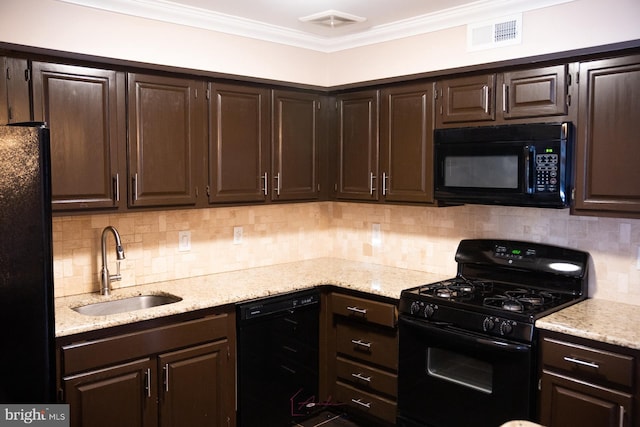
450, 378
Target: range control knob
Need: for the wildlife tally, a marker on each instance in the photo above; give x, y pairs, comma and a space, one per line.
506, 327
429, 309
415, 307
488, 324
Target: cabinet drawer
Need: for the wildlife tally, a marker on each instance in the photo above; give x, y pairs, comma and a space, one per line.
370, 346
371, 404
87, 355
366, 377
363, 309
588, 362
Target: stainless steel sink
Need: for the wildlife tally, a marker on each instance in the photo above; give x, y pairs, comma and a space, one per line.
124, 305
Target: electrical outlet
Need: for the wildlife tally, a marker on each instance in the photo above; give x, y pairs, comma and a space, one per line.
237, 235
376, 236
184, 241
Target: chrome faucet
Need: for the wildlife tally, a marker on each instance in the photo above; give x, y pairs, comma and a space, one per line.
105, 278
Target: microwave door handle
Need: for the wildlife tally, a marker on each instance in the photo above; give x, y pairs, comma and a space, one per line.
529, 169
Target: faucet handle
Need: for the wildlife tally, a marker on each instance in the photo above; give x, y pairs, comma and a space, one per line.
119, 254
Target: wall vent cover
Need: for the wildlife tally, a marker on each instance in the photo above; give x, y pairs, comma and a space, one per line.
504, 31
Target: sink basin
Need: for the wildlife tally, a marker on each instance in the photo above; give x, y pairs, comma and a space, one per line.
126, 304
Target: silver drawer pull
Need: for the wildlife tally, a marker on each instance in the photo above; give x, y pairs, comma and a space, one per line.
361, 377
581, 362
357, 310
362, 343
361, 403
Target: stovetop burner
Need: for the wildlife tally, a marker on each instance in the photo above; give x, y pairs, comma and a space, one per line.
491, 295
521, 300
458, 288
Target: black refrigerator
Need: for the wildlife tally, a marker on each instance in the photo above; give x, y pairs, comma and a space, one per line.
27, 330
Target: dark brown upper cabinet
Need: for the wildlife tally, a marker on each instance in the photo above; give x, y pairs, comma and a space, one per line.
466, 99
84, 109
607, 172
238, 144
406, 143
167, 130
527, 95
358, 145
295, 141
14, 91
535, 93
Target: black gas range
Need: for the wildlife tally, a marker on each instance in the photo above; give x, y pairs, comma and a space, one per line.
471, 339
502, 287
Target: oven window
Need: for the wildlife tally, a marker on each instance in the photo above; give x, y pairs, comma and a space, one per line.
481, 171
460, 369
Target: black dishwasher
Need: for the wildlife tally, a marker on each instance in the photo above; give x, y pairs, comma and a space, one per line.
277, 358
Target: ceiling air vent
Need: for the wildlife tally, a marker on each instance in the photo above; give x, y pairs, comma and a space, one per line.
332, 18
498, 32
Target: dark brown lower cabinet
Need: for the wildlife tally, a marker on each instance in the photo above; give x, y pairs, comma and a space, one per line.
569, 402
178, 374
119, 395
189, 396
585, 383
360, 358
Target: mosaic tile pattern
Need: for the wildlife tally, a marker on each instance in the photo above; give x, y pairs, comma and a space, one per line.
414, 237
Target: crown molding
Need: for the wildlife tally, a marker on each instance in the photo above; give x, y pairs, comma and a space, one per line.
168, 11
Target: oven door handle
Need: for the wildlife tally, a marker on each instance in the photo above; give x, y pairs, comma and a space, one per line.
460, 335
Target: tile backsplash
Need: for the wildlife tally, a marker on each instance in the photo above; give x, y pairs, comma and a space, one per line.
413, 237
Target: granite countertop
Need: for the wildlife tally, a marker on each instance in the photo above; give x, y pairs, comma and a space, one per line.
232, 287
593, 319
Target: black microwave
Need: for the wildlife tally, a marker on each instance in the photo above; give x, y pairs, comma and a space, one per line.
517, 165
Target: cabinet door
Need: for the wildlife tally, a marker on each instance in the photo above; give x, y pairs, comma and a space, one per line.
535, 93
358, 146
607, 172
567, 402
166, 134
295, 145
239, 144
406, 143
466, 99
195, 387
122, 395
84, 109
14, 91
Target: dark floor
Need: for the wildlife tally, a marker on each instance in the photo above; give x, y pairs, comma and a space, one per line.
327, 419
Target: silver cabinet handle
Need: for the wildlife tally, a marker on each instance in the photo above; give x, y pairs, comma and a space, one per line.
361, 343
384, 183
148, 382
135, 186
505, 94
359, 376
582, 362
371, 187
116, 187
277, 178
621, 422
357, 310
361, 403
264, 188
166, 377
485, 89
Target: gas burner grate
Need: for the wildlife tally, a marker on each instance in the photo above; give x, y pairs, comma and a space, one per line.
520, 300
459, 288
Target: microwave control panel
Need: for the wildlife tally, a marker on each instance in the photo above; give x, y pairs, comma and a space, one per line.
547, 172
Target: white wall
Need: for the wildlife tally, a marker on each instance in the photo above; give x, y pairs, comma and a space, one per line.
56, 25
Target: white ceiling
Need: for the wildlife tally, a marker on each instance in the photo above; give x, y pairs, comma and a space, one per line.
279, 20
